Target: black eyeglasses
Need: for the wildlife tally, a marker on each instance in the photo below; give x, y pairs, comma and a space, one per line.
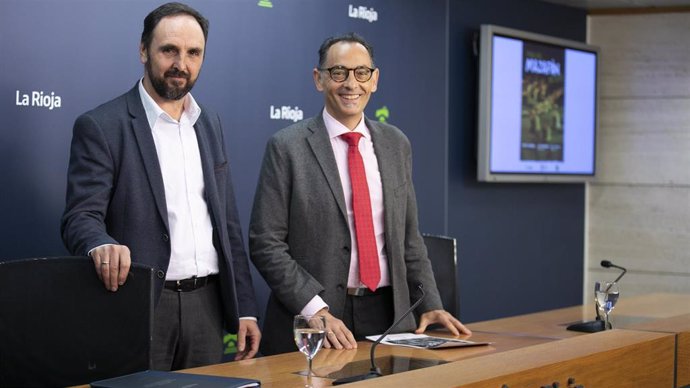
341, 73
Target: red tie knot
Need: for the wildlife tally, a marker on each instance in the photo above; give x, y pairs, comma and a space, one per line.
352, 138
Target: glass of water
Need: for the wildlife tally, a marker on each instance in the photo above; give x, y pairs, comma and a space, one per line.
606, 295
310, 331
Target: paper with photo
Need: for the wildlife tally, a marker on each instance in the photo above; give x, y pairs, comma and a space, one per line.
423, 341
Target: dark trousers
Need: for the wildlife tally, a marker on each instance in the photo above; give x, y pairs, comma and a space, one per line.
187, 329
369, 314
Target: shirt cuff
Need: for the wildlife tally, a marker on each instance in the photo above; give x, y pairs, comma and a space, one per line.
314, 305
250, 318
94, 248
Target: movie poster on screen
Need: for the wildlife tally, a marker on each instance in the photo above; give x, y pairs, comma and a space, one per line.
542, 102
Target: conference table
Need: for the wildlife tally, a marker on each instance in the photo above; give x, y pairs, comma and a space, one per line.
648, 347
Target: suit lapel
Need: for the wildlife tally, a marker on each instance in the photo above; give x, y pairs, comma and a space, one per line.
386, 152
207, 165
147, 149
320, 144
385, 155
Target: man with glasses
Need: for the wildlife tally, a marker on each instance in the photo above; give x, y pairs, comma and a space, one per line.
334, 226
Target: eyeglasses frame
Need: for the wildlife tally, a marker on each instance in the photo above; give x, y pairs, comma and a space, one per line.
349, 69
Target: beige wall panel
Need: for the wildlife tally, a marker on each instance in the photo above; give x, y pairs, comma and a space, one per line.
641, 228
638, 210
643, 55
644, 141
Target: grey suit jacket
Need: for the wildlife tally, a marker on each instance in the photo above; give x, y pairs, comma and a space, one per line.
299, 237
115, 195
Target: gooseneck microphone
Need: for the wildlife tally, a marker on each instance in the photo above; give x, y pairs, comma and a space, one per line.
375, 371
608, 264
598, 324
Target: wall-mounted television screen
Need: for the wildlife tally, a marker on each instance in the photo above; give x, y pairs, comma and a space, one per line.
537, 107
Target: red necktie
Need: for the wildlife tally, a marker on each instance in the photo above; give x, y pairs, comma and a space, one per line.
369, 272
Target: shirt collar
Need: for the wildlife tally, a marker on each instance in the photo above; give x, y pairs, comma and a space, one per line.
192, 110
335, 128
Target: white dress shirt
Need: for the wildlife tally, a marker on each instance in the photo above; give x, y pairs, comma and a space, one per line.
371, 167
191, 230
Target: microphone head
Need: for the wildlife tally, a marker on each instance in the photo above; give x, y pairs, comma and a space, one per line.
606, 264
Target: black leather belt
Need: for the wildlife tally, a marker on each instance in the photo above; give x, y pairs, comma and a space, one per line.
190, 284
363, 291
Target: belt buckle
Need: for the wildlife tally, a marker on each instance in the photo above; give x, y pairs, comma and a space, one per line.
179, 286
359, 291
194, 286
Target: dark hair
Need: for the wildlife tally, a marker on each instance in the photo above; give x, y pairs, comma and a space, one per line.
349, 37
170, 9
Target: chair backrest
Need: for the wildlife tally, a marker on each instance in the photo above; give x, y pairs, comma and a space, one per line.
59, 326
442, 252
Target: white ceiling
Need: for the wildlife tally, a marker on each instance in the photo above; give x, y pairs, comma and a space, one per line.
598, 4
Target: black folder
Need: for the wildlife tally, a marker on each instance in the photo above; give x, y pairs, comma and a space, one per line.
161, 379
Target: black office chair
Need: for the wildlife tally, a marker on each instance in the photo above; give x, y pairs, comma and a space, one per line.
59, 326
442, 252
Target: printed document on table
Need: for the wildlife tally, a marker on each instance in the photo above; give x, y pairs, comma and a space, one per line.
423, 341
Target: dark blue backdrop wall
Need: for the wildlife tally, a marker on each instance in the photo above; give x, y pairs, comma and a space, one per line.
520, 245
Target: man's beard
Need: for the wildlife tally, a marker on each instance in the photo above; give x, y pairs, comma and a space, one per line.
164, 89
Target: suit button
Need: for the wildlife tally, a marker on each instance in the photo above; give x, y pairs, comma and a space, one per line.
160, 274
346, 249
340, 287
166, 238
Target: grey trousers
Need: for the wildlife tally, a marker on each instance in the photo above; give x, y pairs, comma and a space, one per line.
187, 329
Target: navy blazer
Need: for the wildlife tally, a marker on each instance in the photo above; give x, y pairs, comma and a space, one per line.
115, 195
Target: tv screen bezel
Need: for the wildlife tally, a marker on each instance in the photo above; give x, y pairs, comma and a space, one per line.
484, 173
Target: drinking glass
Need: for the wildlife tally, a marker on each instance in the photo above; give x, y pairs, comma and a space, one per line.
606, 295
310, 331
